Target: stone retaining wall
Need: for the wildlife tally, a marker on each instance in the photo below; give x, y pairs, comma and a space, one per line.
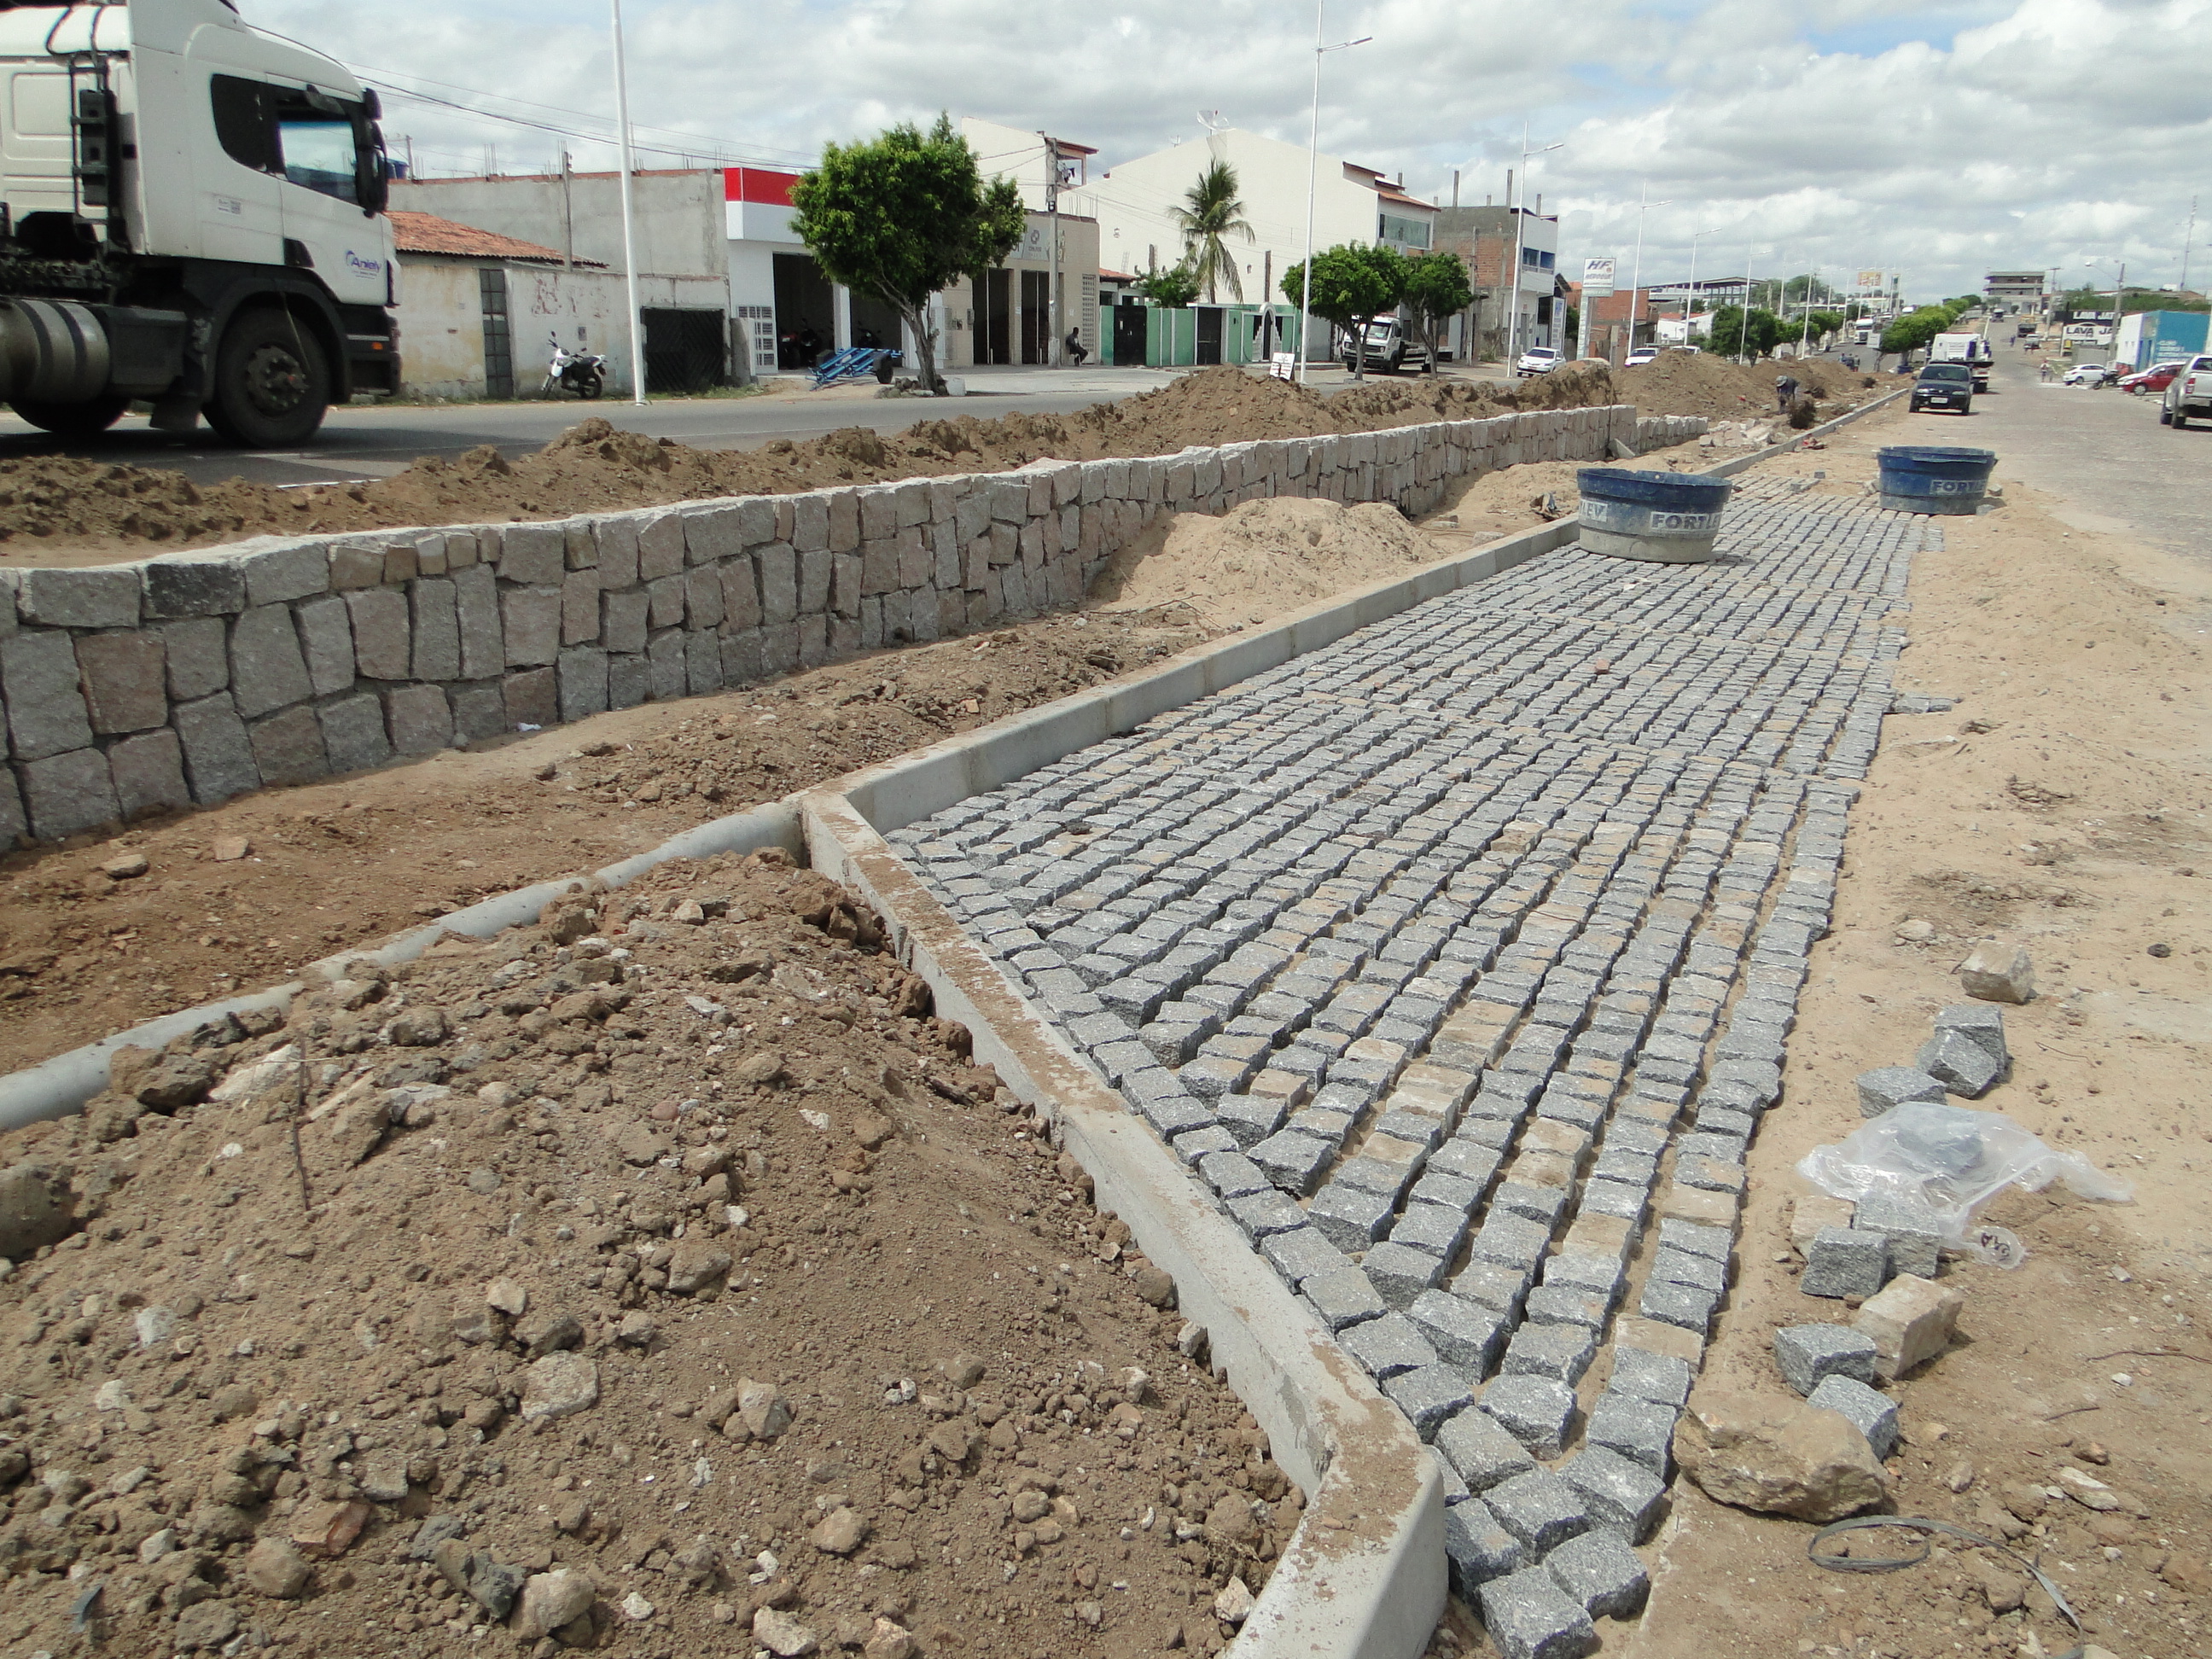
190, 677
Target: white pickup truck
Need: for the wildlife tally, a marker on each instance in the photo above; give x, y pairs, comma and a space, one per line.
2188, 395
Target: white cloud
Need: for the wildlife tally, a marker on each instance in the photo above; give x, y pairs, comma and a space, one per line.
1939, 140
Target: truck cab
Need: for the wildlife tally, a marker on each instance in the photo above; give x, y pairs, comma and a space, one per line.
191, 214
1972, 349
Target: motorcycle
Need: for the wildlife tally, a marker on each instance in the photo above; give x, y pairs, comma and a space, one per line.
583, 372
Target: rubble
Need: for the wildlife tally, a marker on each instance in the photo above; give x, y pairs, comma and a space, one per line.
494, 1370
1782, 1458
1998, 970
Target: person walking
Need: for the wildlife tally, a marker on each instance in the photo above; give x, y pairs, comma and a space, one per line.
2043, 372
1076, 353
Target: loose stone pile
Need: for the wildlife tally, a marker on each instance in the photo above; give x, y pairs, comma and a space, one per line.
1458, 959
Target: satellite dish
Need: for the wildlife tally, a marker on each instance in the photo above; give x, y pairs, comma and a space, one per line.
1213, 120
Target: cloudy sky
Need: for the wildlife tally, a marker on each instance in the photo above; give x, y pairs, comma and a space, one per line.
1936, 140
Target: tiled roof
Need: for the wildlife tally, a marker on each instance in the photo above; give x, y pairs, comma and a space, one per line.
426, 233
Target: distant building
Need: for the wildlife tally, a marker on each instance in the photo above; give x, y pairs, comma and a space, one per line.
2007, 291
1484, 237
1134, 203
474, 306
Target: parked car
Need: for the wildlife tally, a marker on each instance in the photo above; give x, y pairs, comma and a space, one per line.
2085, 374
1944, 385
1642, 355
1537, 359
2153, 378
2188, 395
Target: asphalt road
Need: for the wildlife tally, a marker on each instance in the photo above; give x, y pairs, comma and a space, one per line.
375, 440
2103, 451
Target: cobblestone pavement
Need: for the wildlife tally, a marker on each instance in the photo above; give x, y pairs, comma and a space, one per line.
1458, 958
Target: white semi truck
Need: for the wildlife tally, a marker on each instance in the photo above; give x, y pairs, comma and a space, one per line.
190, 216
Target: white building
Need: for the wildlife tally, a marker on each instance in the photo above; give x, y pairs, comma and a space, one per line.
1135, 204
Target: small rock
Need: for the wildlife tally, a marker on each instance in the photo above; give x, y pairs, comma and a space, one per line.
888, 1641
1960, 1476
1233, 1606
782, 1634
510, 1298
840, 1533
636, 1608
1777, 1457
274, 1568
2161, 950
229, 849
2004, 1591
1156, 1285
382, 1476
560, 1385
636, 1330
205, 1625
125, 867
1914, 930
328, 1529
695, 1265
964, 1370
1998, 970
548, 1331
761, 1409
763, 1067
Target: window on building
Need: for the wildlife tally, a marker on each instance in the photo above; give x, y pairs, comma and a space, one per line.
1531, 259
1402, 231
1546, 260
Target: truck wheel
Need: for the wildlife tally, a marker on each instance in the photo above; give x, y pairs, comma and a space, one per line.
73, 419
271, 383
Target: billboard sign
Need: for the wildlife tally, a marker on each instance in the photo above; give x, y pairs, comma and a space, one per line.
1869, 279
1597, 278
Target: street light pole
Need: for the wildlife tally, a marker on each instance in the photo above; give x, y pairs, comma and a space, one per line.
1313, 164
1513, 276
628, 219
1743, 328
1643, 205
1689, 308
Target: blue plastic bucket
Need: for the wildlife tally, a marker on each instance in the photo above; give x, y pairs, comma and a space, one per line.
1669, 517
1918, 478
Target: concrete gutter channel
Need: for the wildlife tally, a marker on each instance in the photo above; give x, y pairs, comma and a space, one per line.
1364, 1577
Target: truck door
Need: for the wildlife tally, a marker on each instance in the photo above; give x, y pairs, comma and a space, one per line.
238, 214
331, 160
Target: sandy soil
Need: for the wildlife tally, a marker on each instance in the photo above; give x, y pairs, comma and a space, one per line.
2062, 803
669, 1262
1675, 383
61, 510
350, 861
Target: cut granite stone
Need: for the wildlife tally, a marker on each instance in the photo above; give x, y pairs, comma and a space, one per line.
1620, 1494
1541, 1508
1893, 1085
1647, 1375
1843, 1261
1642, 1430
1400, 1273
1428, 1394
1810, 1353
1303, 1253
1477, 1550
1465, 1333
1563, 1352
1958, 1060
1529, 1616
1915, 1236
1540, 1411
1600, 1571
1871, 1411
1481, 1448
1350, 1217
1344, 1298
1980, 1022
1388, 1346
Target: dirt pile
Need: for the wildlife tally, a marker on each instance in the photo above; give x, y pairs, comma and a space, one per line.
56, 509
655, 1278
1259, 559
1679, 383
347, 863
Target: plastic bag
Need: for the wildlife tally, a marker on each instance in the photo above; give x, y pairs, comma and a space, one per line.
1949, 1161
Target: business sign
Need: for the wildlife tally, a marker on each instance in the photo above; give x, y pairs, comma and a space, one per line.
1597, 278
1869, 279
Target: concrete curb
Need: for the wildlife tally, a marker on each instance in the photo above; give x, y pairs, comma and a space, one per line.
57, 1087
1365, 1573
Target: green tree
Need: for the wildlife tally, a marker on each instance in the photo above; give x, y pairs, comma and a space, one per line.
1170, 286
1914, 330
1351, 283
1212, 211
899, 217
1730, 330
1436, 287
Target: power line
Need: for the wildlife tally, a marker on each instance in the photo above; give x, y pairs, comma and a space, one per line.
716, 148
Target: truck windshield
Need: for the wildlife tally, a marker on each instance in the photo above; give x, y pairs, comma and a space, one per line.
319, 155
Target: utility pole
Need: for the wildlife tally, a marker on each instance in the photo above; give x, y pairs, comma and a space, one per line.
628, 219
2188, 241
1743, 329
1643, 205
1313, 163
568, 213
1057, 357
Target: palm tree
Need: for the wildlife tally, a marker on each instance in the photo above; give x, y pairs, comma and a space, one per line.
1214, 211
